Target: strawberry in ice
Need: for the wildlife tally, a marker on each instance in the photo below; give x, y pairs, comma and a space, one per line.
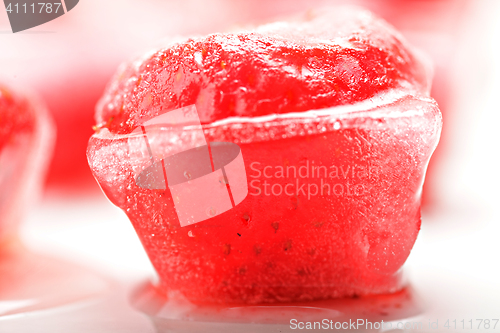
26, 138
279, 164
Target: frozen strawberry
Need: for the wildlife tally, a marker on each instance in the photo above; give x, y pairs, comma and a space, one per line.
26, 137
280, 164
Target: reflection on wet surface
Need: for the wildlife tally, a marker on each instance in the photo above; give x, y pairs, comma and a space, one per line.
174, 313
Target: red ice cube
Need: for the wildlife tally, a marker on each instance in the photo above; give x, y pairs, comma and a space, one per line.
26, 138
335, 126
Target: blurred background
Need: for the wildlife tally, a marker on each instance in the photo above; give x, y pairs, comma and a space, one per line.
69, 61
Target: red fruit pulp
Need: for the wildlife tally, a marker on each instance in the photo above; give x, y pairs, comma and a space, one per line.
334, 195
334, 59
17, 117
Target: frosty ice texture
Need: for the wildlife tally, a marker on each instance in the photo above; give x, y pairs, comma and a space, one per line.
335, 127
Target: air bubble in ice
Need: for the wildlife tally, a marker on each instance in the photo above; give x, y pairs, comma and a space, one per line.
211, 211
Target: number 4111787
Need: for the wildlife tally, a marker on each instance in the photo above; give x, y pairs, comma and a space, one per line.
41, 7
470, 324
